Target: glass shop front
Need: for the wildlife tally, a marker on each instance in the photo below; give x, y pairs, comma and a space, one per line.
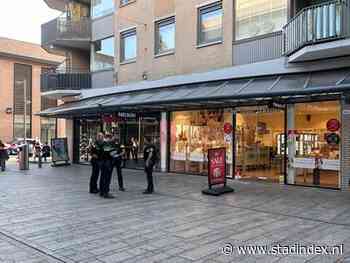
129, 129
295, 143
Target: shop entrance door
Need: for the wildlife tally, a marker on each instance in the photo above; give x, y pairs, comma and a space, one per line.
259, 142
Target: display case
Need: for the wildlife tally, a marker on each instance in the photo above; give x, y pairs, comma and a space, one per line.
304, 143
192, 134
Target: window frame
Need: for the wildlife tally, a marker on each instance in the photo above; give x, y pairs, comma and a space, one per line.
123, 35
250, 38
212, 7
29, 101
104, 13
121, 4
93, 69
157, 25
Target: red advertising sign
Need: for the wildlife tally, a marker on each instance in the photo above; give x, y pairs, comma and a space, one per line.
333, 125
228, 128
217, 166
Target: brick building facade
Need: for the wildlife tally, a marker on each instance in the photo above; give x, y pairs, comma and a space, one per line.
15, 56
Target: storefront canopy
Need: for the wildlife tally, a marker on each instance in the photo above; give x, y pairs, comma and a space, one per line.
212, 94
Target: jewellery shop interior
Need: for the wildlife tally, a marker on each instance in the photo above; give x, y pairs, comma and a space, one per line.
129, 129
296, 143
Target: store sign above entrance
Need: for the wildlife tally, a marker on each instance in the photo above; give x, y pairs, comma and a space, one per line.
333, 125
126, 115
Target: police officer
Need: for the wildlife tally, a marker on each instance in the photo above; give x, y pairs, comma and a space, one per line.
107, 166
118, 155
96, 151
150, 157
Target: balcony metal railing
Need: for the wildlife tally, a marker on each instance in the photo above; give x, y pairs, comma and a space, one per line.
318, 23
65, 80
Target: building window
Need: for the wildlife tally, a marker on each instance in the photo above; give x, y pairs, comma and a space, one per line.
210, 23
101, 7
47, 125
259, 17
103, 57
128, 45
165, 36
22, 96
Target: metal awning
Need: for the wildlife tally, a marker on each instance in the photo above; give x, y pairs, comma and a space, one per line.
215, 94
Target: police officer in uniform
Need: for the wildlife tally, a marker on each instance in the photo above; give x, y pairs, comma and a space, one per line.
150, 157
107, 166
96, 151
118, 155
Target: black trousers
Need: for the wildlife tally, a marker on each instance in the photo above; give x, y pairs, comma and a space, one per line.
118, 166
134, 152
106, 175
149, 175
3, 164
96, 170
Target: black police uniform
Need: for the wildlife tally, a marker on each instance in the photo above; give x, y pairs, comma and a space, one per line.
118, 163
96, 151
149, 167
107, 168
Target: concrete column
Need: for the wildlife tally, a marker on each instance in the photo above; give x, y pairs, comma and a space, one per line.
345, 145
164, 142
290, 143
69, 135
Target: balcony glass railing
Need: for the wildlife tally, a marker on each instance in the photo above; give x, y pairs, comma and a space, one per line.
69, 28
316, 24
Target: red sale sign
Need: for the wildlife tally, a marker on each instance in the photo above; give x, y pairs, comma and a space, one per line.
217, 166
333, 125
228, 128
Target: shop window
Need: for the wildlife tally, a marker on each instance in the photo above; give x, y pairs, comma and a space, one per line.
165, 36
210, 23
103, 57
128, 45
259, 148
259, 17
192, 134
314, 144
89, 128
47, 125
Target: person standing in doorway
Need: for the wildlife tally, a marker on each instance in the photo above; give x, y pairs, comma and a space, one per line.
107, 166
96, 151
46, 151
118, 162
150, 157
4, 156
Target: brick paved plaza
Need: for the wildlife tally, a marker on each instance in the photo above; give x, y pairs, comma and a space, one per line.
47, 215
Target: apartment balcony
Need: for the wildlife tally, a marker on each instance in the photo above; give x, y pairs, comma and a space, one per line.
318, 32
61, 84
64, 32
61, 4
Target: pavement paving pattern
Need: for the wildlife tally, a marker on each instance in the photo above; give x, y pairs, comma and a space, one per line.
47, 215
